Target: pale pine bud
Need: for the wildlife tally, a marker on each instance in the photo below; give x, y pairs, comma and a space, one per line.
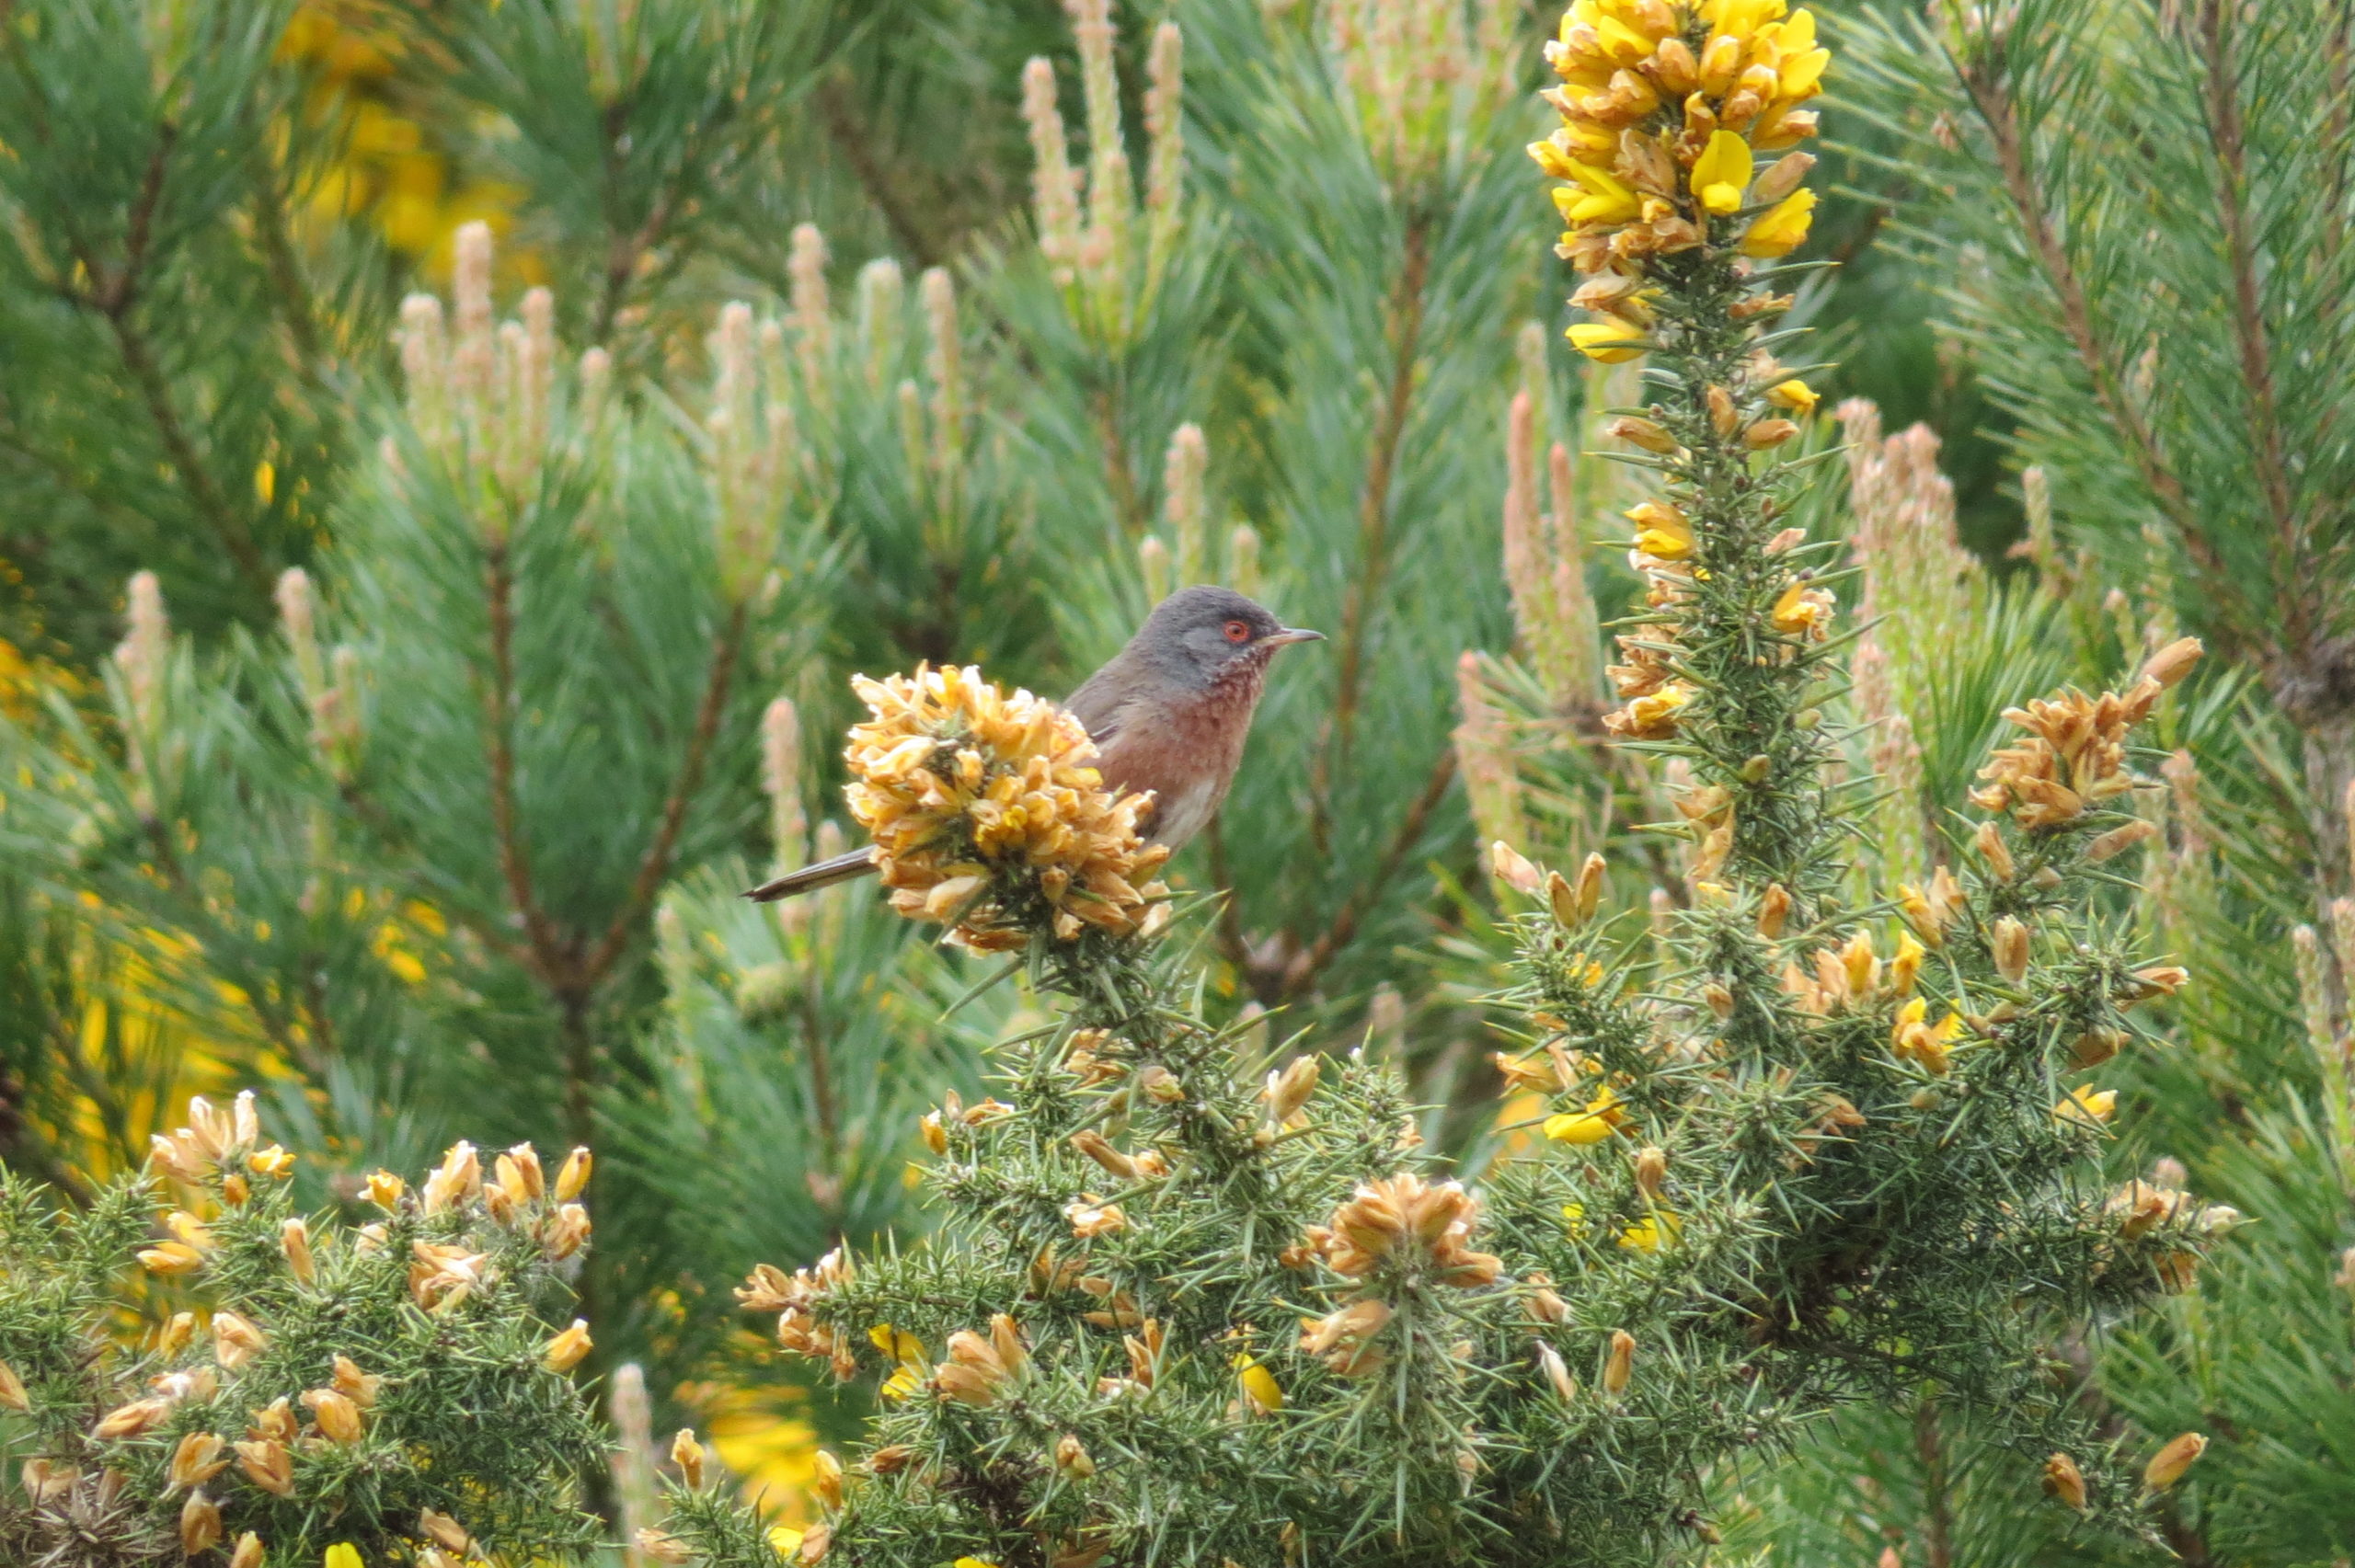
2166, 1466
1182, 474
688, 1454
1054, 183
1243, 567
1155, 565
811, 313
944, 368
1165, 145
2009, 944
199, 1525
1619, 1363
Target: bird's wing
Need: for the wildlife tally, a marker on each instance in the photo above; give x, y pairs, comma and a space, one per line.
1101, 706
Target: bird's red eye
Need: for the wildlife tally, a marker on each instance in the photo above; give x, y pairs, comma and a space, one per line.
1239, 632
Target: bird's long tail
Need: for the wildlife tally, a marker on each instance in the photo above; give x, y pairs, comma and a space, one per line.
825, 873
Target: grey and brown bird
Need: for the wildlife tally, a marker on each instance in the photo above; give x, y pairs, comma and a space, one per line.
1169, 714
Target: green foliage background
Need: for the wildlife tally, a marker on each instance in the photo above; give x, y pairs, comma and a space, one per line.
2105, 238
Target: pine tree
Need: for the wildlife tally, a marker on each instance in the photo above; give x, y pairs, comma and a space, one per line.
1772, 1186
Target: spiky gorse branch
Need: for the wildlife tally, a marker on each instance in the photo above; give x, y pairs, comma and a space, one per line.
396, 1391
1810, 1153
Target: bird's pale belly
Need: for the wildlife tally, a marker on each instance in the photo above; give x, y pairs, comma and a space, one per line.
1187, 811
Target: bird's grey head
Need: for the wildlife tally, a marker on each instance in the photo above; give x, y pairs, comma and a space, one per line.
1196, 634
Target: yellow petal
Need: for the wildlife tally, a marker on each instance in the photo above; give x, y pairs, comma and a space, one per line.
1607, 342
1725, 160
1781, 228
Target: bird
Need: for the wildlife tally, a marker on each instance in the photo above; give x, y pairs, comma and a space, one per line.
1168, 713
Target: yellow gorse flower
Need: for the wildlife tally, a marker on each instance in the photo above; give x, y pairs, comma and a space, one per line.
988, 813
342, 1554
1666, 106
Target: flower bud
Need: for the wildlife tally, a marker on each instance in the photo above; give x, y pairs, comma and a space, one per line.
1072, 1460
2120, 839
12, 1390
567, 1349
1513, 868
197, 1457
446, 1530
1549, 1360
1641, 432
573, 1176
2166, 1466
384, 1189
1619, 1363
1723, 415
2172, 663
337, 1417
1651, 1170
1768, 433
199, 1525
826, 1478
1989, 842
2064, 1482
268, 1465
1782, 178
249, 1553
2009, 946
294, 1241
1290, 1090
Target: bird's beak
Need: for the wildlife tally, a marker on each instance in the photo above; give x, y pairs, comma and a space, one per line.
1290, 635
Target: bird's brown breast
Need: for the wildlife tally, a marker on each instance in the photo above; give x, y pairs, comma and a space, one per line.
1186, 751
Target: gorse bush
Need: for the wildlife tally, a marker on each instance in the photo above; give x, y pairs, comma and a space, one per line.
1818, 1150
367, 1387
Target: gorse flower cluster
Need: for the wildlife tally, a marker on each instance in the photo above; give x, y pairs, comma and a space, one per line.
1194, 1307
987, 811
1665, 105
393, 1391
